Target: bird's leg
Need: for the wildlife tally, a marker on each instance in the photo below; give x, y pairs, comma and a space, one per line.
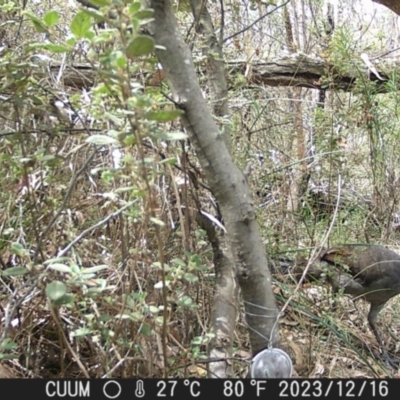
372, 316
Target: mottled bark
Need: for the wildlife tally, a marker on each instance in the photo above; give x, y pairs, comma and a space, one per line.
225, 301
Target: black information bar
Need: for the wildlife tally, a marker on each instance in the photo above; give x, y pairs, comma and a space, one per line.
128, 389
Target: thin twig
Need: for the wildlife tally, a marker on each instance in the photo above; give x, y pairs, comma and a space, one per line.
255, 22
93, 227
66, 342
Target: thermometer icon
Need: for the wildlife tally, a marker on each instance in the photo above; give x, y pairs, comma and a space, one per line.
139, 392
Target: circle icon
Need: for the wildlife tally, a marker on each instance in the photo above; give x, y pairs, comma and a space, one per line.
115, 387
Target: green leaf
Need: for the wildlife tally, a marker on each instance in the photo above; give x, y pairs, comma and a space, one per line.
51, 18
7, 356
52, 161
165, 115
97, 15
47, 157
67, 299
93, 270
81, 25
101, 140
8, 6
145, 330
56, 259
90, 35
134, 7
71, 41
55, 48
121, 61
93, 292
75, 269
169, 161
81, 332
85, 277
39, 25
15, 271
179, 262
143, 14
136, 316
191, 278
18, 249
172, 136
140, 46
100, 3
186, 301
60, 268
8, 344
56, 290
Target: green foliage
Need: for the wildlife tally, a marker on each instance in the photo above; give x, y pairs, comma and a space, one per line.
140, 45
15, 271
81, 25
100, 3
60, 293
18, 249
8, 6
101, 140
56, 290
341, 49
53, 48
51, 18
164, 115
39, 24
7, 346
68, 194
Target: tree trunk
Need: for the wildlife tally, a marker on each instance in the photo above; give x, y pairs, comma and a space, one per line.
225, 301
225, 179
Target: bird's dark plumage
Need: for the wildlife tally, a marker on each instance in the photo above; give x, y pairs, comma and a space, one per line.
369, 272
